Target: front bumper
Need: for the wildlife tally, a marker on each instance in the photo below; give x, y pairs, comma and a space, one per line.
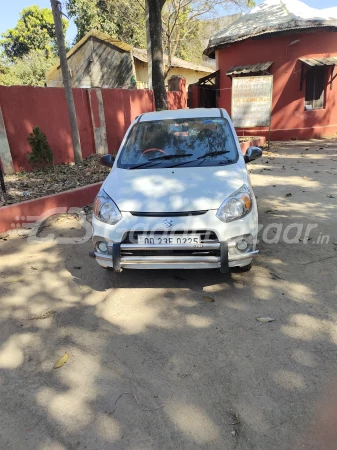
217, 253
114, 259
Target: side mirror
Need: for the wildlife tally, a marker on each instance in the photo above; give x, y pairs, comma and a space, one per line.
107, 160
252, 153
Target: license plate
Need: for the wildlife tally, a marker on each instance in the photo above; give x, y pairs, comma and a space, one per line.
169, 240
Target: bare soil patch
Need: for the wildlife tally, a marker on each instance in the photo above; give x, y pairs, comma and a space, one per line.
24, 186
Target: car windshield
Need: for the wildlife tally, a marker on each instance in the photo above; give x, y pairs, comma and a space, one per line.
179, 143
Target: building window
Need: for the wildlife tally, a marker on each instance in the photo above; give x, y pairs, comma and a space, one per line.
314, 89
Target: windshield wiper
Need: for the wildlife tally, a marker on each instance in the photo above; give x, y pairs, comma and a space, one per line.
159, 158
170, 156
202, 157
206, 155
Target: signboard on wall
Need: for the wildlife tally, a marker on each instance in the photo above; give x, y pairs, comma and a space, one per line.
252, 101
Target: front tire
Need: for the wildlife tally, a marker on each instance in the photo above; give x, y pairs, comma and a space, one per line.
242, 269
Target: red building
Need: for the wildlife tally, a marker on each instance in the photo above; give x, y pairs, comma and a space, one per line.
298, 46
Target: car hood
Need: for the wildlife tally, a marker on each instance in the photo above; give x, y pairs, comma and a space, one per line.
173, 190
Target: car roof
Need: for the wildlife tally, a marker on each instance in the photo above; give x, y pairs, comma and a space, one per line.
183, 114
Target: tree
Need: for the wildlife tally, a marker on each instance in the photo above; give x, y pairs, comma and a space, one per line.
180, 18
30, 70
121, 19
75, 135
132, 30
34, 31
183, 25
4, 68
90, 14
2, 187
155, 32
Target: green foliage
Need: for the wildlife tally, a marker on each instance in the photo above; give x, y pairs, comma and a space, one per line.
41, 152
90, 14
191, 49
120, 19
132, 30
30, 70
4, 68
7, 77
34, 30
182, 31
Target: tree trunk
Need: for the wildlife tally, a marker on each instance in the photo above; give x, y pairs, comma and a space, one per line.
148, 47
2, 188
158, 83
56, 8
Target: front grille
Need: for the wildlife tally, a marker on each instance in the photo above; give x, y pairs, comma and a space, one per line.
168, 214
206, 236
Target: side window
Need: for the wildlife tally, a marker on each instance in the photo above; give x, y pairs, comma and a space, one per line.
314, 89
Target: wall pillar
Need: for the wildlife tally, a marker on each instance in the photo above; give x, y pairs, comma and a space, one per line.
177, 83
177, 86
5, 151
98, 121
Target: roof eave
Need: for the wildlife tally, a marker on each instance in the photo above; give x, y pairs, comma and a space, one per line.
216, 44
197, 68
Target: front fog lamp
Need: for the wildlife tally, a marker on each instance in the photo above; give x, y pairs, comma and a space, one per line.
102, 247
242, 245
236, 205
105, 209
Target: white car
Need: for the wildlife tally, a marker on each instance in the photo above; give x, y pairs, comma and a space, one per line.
178, 196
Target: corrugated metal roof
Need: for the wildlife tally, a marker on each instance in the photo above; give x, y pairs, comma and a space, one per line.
328, 61
141, 54
102, 37
96, 34
273, 16
259, 67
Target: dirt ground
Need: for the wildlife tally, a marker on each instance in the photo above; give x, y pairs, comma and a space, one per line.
24, 186
152, 365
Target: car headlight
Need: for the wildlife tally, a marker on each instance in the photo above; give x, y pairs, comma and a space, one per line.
236, 205
105, 209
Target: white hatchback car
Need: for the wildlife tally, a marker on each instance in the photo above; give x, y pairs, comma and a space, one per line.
178, 196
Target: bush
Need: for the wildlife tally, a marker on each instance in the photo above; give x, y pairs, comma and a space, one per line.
41, 152
30, 70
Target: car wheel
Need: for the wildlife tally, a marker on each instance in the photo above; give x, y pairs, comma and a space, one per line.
242, 269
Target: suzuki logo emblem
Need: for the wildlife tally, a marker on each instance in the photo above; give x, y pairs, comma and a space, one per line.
168, 223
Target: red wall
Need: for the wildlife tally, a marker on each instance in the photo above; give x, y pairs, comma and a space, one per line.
289, 119
121, 106
177, 94
25, 107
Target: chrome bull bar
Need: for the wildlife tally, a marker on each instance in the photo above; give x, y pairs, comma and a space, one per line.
117, 261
